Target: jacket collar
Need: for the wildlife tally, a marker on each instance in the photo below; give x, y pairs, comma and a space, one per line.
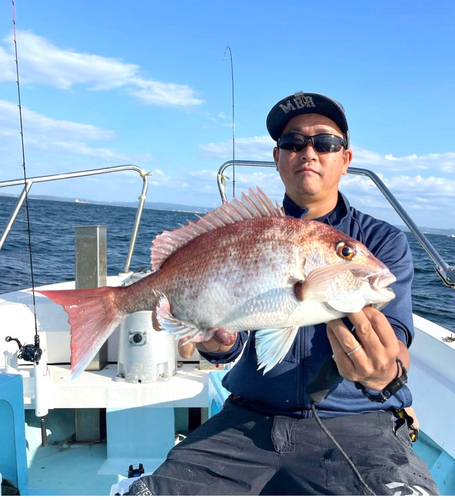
333, 218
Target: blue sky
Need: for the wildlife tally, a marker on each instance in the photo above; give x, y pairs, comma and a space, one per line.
113, 82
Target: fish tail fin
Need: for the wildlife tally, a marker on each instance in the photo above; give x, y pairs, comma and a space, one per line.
93, 316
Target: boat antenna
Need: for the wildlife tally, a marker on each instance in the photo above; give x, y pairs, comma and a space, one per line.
233, 119
29, 352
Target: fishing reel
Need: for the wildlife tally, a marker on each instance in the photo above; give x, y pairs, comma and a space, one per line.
28, 352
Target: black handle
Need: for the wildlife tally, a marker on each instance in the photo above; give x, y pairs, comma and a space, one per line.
326, 377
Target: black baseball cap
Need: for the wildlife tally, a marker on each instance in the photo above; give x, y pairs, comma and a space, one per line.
303, 102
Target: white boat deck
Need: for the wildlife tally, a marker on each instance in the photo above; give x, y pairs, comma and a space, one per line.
140, 422
65, 470
187, 388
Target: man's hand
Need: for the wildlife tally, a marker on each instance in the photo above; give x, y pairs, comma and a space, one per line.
211, 345
369, 356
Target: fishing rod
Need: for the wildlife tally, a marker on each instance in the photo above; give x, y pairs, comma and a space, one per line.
31, 352
233, 119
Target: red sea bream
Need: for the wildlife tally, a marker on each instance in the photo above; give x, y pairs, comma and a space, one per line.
244, 266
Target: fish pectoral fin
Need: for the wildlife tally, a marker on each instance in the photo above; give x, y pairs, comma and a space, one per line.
272, 345
174, 326
316, 284
346, 306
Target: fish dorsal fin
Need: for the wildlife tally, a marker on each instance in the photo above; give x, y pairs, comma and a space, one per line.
251, 206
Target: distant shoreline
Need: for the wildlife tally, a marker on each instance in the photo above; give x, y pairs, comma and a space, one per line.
174, 207
170, 207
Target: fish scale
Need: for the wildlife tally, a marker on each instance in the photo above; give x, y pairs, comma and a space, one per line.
243, 273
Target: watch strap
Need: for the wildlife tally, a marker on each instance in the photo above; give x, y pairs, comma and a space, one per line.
397, 383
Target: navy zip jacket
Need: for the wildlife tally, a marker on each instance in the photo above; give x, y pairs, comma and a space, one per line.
281, 391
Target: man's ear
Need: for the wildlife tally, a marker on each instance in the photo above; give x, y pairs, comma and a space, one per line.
347, 158
275, 156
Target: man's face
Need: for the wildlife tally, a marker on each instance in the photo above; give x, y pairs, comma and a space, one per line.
310, 176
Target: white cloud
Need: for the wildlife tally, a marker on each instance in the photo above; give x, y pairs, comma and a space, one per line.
159, 178
46, 134
247, 148
44, 125
163, 94
43, 63
428, 200
8, 72
420, 183
444, 162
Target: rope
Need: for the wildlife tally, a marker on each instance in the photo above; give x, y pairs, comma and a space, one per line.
335, 442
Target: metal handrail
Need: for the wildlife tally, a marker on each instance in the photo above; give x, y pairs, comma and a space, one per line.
70, 175
446, 272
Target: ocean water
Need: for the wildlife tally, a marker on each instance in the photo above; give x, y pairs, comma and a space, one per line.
52, 235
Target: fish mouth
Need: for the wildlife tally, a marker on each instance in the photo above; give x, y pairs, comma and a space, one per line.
379, 283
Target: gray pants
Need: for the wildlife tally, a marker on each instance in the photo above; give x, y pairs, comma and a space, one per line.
242, 452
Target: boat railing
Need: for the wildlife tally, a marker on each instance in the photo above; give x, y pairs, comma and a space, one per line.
444, 270
29, 182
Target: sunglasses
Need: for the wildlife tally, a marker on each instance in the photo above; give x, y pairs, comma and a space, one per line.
322, 143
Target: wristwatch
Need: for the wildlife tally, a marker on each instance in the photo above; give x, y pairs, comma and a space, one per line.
397, 383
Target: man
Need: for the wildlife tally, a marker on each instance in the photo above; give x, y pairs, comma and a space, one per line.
274, 436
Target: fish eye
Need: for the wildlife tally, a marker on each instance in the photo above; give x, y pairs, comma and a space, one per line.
345, 250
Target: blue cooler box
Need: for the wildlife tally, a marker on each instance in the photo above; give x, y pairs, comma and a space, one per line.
217, 393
